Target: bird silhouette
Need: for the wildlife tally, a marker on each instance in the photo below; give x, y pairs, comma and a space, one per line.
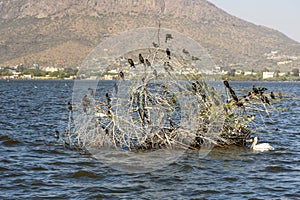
168, 37
233, 95
272, 95
262, 90
56, 134
141, 59
265, 100
168, 53
185, 52
255, 90
231, 91
122, 75
70, 107
147, 62
155, 45
130, 61
226, 84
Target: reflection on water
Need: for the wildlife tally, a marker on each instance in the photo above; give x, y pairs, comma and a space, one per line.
34, 164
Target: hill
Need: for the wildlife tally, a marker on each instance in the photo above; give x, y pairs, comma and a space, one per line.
63, 33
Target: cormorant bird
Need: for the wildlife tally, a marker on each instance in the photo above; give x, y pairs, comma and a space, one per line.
70, 107
171, 124
255, 90
168, 66
233, 95
185, 52
168, 53
106, 130
108, 98
130, 61
239, 104
194, 87
262, 90
141, 59
265, 100
231, 91
155, 45
122, 75
272, 95
147, 62
168, 37
56, 134
226, 84
199, 86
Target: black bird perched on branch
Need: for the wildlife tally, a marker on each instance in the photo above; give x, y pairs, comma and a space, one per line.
56, 134
231, 91
255, 90
130, 61
233, 95
108, 98
168, 53
265, 100
194, 87
168, 66
122, 75
199, 86
168, 37
272, 95
141, 59
106, 130
155, 45
226, 84
147, 62
185, 52
262, 90
70, 107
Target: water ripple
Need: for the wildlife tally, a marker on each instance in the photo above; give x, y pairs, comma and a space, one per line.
35, 165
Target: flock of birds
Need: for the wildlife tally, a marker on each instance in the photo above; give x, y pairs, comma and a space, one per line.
254, 145
256, 92
145, 62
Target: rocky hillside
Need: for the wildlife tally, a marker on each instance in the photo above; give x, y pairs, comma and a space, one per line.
63, 32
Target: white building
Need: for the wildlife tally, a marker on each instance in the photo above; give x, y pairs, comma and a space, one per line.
249, 73
51, 69
268, 75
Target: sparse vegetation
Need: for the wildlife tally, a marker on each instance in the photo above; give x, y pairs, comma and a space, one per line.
52, 37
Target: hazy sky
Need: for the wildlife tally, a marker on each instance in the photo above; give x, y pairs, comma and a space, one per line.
282, 15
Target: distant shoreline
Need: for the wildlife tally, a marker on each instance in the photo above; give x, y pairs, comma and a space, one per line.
213, 79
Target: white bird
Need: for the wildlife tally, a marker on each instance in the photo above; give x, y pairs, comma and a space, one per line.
260, 147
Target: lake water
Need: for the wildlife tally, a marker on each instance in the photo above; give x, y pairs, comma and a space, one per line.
34, 165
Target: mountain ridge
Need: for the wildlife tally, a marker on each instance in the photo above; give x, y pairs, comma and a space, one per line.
63, 33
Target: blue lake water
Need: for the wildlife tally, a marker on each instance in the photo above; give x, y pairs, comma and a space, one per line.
34, 165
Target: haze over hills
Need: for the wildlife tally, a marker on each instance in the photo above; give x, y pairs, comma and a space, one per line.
63, 33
